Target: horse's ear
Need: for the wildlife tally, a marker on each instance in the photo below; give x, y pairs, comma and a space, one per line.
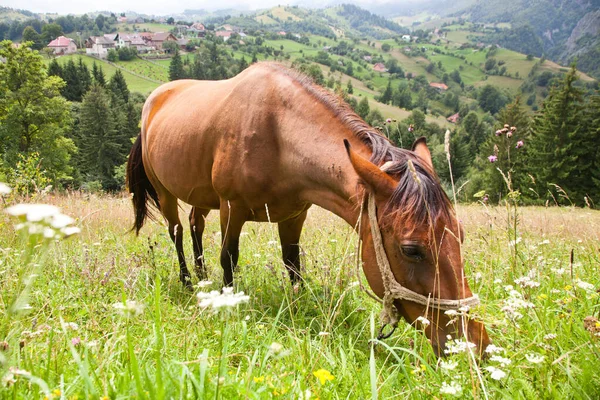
380, 183
421, 149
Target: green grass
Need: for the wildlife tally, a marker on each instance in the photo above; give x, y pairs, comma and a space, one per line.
173, 349
135, 83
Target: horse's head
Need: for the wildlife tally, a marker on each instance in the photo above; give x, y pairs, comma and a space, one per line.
421, 239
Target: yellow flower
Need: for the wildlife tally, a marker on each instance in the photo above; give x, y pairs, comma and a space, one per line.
104, 398
259, 379
542, 297
56, 392
568, 287
323, 375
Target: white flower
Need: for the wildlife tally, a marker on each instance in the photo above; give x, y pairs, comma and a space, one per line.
128, 308
70, 230
4, 189
503, 361
455, 347
550, 336
526, 281
203, 284
534, 358
452, 389
451, 313
71, 325
43, 219
424, 321
513, 242
544, 242
492, 349
449, 365
478, 276
324, 334
33, 212
276, 348
584, 285
216, 300
495, 373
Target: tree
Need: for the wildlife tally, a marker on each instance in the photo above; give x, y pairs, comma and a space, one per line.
30, 35
402, 97
118, 86
491, 99
51, 32
243, 64
363, 108
386, 97
54, 68
33, 115
84, 77
176, 70
386, 47
349, 87
170, 20
98, 75
562, 148
72, 89
100, 20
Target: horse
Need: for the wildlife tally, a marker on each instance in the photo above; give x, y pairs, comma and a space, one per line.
269, 143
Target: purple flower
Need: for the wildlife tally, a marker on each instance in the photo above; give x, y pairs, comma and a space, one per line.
492, 159
485, 198
499, 132
509, 134
76, 341
519, 144
389, 120
411, 128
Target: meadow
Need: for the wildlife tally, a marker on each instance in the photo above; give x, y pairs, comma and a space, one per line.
102, 314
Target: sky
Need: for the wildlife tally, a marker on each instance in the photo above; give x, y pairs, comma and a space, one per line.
162, 7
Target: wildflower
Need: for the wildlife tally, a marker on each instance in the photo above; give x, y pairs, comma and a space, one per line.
424, 321
42, 219
503, 361
584, 285
389, 120
449, 365
477, 276
323, 375
129, 308
4, 189
76, 341
276, 348
509, 134
452, 389
216, 300
492, 158
455, 347
495, 373
411, 128
485, 198
203, 284
534, 358
258, 379
451, 313
550, 336
519, 144
104, 398
324, 334
499, 132
71, 325
492, 349
526, 281
56, 392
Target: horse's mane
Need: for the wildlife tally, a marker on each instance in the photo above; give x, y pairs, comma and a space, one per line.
413, 199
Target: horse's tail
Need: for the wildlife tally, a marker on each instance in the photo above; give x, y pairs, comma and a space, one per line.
139, 186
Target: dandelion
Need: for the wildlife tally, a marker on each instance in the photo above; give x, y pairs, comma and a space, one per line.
534, 358
4, 189
216, 300
323, 375
452, 389
495, 373
492, 158
129, 308
519, 144
424, 321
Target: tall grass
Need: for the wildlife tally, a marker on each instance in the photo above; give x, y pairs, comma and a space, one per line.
73, 342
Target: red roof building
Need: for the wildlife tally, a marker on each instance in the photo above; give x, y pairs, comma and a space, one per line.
453, 118
439, 86
379, 67
63, 45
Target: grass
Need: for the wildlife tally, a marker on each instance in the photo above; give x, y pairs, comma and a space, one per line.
173, 349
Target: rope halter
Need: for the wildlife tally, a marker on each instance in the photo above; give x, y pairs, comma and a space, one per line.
393, 290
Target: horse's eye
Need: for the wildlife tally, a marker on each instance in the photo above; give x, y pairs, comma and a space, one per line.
412, 251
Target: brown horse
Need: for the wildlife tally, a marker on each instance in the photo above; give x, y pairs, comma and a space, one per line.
265, 146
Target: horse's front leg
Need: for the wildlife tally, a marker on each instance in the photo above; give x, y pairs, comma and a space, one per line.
289, 235
232, 221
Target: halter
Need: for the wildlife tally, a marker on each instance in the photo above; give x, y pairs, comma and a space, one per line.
393, 290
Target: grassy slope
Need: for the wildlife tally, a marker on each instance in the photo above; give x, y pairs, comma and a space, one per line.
174, 347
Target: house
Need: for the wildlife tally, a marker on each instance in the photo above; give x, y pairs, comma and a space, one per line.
122, 20
281, 33
368, 58
453, 118
379, 67
226, 27
440, 87
99, 46
224, 34
63, 45
406, 38
182, 43
159, 39
133, 40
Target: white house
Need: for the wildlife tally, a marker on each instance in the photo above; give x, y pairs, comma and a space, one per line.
406, 38
99, 46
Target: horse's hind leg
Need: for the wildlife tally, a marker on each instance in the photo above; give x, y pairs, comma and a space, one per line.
232, 221
168, 206
289, 234
197, 222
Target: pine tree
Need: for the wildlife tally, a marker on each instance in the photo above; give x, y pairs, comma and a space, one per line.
72, 90
118, 86
176, 70
386, 97
243, 65
363, 108
349, 87
54, 68
589, 152
557, 152
84, 77
254, 59
98, 75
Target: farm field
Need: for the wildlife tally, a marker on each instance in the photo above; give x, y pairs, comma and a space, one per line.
74, 338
